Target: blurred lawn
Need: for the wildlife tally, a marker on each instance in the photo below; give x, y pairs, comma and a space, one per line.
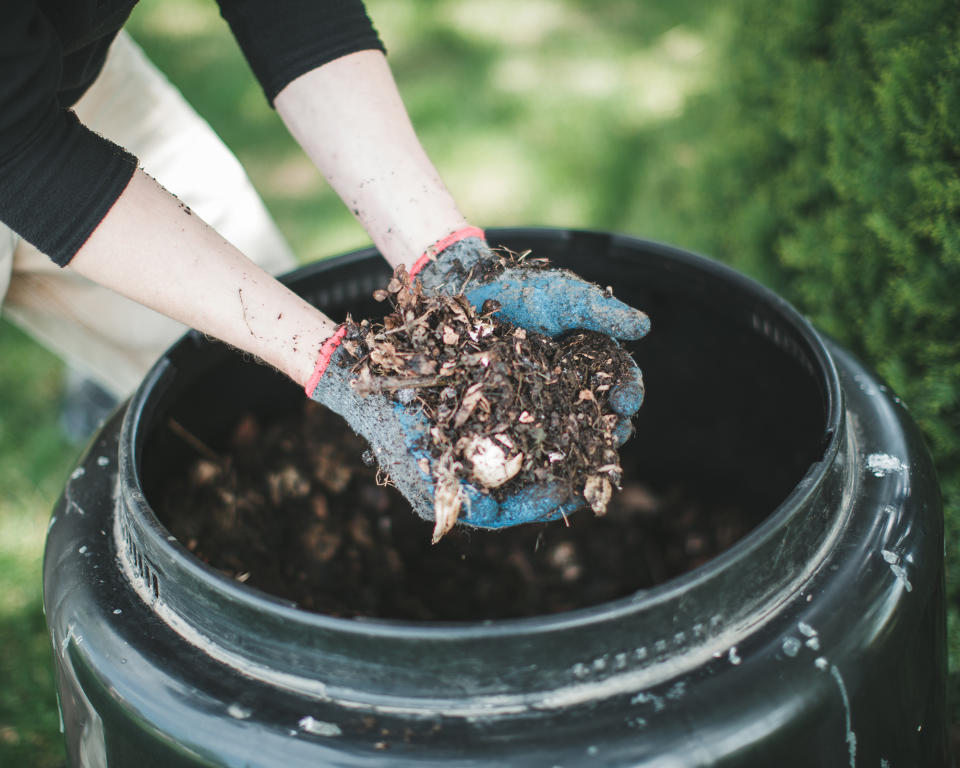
545, 112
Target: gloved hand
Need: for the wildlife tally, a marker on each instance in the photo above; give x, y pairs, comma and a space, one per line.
548, 301
399, 439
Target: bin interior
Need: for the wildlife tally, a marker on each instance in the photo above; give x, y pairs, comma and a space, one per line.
735, 414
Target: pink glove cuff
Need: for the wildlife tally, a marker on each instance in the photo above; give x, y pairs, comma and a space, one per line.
443, 243
323, 359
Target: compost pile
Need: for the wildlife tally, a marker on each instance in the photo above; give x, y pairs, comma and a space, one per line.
287, 505
507, 407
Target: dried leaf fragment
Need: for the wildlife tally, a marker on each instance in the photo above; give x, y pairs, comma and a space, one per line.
608, 468
387, 357
447, 498
480, 330
597, 491
205, 471
286, 483
422, 365
450, 336
471, 398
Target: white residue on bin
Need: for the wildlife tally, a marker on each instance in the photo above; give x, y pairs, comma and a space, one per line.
893, 560
319, 727
882, 464
791, 647
806, 630
850, 737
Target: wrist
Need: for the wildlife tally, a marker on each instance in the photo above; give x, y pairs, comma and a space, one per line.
452, 262
327, 350
441, 245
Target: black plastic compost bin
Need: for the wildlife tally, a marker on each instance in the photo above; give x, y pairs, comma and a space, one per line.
818, 639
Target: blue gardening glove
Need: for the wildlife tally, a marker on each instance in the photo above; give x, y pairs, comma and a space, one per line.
548, 301
399, 438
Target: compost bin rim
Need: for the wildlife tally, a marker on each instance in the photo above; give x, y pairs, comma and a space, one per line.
131, 439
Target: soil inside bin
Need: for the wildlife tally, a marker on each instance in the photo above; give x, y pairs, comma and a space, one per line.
290, 508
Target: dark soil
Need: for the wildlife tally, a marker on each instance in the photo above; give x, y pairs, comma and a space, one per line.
289, 507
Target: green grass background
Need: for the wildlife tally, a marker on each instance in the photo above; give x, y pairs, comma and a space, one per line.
546, 112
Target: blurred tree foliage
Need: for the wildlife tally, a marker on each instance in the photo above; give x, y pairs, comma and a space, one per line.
827, 164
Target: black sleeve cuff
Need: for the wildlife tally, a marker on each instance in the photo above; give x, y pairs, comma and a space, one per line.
283, 40
57, 187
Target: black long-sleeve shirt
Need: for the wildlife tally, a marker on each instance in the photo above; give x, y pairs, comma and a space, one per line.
58, 179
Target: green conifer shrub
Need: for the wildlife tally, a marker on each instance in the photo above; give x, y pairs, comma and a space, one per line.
827, 164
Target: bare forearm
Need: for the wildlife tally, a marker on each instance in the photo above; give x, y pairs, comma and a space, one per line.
349, 118
154, 250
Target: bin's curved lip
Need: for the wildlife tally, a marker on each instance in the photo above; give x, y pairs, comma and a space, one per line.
172, 558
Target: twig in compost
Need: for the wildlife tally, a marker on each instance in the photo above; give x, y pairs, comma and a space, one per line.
195, 442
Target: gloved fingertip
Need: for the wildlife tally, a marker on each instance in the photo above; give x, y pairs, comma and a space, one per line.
627, 323
611, 316
626, 396
623, 431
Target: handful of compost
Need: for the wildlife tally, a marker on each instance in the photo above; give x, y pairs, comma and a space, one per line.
477, 418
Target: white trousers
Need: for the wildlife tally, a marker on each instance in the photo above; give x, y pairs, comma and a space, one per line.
98, 332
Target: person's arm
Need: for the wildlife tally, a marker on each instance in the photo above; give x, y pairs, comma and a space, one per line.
151, 248
349, 118
57, 177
